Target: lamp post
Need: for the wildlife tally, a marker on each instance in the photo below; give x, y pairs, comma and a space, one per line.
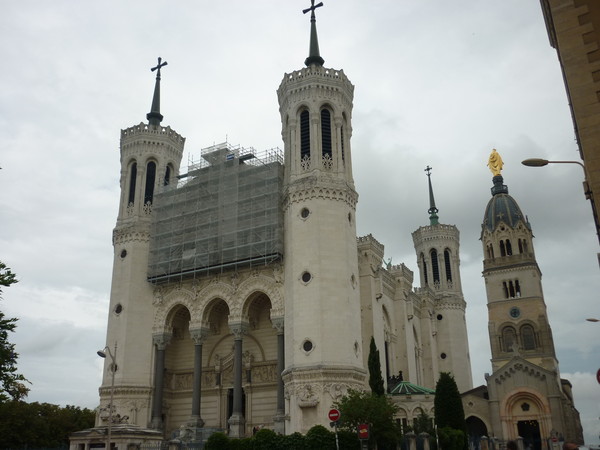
539, 162
113, 369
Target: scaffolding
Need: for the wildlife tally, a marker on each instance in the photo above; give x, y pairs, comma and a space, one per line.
224, 214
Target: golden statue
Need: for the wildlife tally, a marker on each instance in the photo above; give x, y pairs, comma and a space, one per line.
495, 163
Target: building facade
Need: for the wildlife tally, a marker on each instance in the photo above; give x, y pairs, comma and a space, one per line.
525, 397
574, 31
241, 296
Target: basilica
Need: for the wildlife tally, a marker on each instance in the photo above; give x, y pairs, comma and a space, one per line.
229, 274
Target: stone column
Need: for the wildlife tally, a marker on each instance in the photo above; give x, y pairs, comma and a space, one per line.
160, 341
199, 336
279, 418
237, 422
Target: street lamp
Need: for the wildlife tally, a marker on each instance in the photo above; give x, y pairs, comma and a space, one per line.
539, 162
113, 369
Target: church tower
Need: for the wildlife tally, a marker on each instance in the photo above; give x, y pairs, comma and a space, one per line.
150, 158
437, 248
518, 322
527, 397
323, 349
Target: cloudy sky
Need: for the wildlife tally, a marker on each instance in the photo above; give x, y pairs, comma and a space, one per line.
437, 83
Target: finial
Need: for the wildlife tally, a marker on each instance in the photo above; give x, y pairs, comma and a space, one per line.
154, 116
313, 54
495, 163
433, 217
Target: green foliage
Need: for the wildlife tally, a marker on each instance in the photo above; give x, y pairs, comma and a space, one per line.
320, 438
363, 407
266, 439
37, 425
449, 411
11, 383
452, 439
348, 440
375, 379
217, 441
294, 441
423, 424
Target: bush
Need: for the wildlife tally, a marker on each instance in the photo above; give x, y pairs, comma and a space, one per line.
294, 441
320, 438
217, 441
451, 439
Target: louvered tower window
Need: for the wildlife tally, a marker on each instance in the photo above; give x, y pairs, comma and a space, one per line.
150, 178
326, 132
304, 135
435, 266
132, 180
447, 264
167, 176
424, 263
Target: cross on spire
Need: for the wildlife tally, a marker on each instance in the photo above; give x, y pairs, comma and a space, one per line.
428, 170
158, 67
312, 9
154, 116
313, 52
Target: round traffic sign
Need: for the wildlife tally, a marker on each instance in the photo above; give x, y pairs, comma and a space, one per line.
334, 415
598, 375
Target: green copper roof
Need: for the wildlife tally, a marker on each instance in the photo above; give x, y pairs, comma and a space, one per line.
407, 388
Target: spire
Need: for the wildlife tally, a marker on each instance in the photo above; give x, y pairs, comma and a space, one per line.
433, 217
154, 116
313, 54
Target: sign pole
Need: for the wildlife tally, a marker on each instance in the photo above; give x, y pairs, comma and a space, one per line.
337, 444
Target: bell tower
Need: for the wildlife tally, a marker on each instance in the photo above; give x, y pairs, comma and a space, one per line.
150, 159
323, 351
437, 248
518, 321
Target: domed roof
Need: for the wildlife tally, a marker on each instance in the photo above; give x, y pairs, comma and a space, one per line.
502, 208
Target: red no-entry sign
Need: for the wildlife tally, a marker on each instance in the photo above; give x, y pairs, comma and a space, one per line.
334, 415
363, 431
598, 375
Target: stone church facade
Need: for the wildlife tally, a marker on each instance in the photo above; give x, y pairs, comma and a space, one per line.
227, 278
242, 297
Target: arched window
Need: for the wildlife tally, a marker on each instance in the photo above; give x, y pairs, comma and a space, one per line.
132, 180
502, 249
167, 175
326, 132
511, 289
435, 267
509, 339
517, 289
528, 337
342, 138
424, 268
505, 288
508, 247
304, 135
150, 178
520, 246
447, 264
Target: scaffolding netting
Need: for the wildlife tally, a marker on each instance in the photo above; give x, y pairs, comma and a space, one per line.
222, 215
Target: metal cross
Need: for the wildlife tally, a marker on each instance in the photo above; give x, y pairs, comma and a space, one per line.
428, 170
158, 66
312, 8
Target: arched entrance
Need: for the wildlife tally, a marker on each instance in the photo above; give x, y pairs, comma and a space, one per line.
529, 430
475, 429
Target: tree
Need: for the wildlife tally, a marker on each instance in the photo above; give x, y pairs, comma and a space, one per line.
40, 425
378, 411
375, 379
11, 382
449, 411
